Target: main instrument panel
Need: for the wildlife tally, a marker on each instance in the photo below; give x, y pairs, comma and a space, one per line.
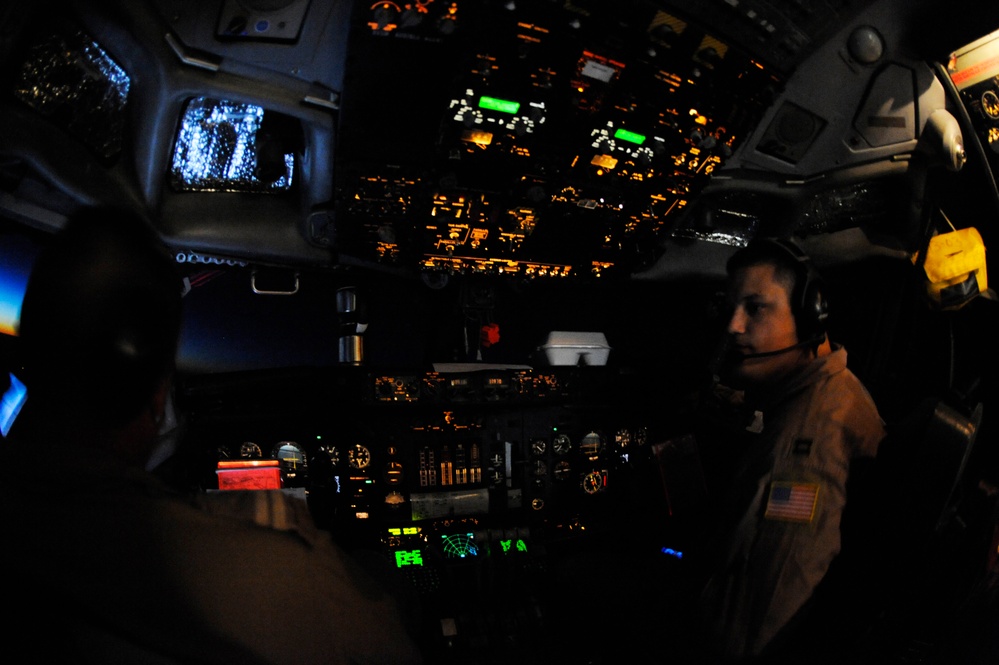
476, 490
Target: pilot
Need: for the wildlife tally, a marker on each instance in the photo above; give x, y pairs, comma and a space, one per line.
113, 564
808, 422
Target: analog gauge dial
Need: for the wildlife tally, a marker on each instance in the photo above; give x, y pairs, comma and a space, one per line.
359, 457
290, 454
537, 504
250, 450
622, 438
593, 482
331, 452
538, 447
539, 469
592, 444
562, 470
990, 104
561, 444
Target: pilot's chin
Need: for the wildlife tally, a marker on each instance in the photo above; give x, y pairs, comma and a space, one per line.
732, 372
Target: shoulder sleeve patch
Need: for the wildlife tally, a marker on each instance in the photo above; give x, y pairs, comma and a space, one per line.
792, 501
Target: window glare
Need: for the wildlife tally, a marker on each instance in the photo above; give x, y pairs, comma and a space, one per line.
217, 149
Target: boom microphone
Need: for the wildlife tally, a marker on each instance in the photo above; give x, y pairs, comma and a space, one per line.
814, 341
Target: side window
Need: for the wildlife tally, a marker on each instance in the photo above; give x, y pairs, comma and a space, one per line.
72, 81
225, 146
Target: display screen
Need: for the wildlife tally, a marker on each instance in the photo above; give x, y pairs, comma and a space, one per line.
625, 135
501, 105
406, 558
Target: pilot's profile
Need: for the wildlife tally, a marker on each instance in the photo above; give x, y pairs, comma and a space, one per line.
809, 419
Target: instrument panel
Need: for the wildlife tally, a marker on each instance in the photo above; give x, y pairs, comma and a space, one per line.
477, 501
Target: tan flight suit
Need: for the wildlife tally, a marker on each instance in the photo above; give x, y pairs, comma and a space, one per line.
792, 484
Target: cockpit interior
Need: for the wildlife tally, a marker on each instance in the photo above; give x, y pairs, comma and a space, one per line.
452, 267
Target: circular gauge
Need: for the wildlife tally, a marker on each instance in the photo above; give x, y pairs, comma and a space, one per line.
561, 444
331, 452
538, 447
562, 470
539, 469
537, 504
291, 456
990, 104
642, 436
359, 457
592, 444
593, 482
250, 450
622, 438
222, 452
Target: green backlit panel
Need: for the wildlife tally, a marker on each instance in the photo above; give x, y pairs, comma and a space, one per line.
625, 135
500, 105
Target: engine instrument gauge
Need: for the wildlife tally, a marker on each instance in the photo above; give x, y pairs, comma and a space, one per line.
250, 450
359, 457
562, 470
538, 447
561, 444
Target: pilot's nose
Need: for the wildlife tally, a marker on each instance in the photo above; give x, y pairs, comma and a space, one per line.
736, 321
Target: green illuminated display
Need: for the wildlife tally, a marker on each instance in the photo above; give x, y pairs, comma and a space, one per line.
625, 135
408, 558
501, 105
521, 546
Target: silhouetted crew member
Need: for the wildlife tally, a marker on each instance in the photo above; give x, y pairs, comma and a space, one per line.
120, 567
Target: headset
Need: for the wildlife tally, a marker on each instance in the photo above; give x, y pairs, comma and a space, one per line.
808, 303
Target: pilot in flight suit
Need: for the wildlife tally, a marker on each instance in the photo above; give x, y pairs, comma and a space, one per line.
811, 419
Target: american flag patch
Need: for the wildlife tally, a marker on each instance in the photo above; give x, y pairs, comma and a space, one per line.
792, 502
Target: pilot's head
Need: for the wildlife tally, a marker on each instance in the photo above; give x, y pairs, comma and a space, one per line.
100, 320
777, 313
